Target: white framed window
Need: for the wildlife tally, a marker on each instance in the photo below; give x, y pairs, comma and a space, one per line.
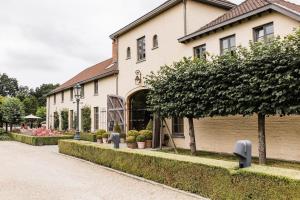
264, 32
155, 42
199, 51
227, 44
128, 53
178, 126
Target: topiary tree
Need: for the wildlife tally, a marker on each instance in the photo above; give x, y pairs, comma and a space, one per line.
271, 82
64, 119
150, 125
117, 128
179, 91
86, 121
56, 120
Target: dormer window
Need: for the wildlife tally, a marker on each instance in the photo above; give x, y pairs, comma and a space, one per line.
155, 41
128, 53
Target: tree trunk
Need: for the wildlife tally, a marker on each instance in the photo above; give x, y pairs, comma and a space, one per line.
11, 126
262, 139
192, 136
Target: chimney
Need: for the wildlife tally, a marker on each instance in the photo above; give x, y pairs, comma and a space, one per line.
115, 50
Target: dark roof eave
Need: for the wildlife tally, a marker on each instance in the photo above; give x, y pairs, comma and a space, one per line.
160, 9
104, 75
276, 7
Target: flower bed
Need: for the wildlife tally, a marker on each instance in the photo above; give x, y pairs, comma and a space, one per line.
38, 140
211, 178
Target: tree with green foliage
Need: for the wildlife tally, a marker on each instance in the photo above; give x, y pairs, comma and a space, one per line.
86, 120
271, 74
30, 105
12, 111
64, 119
41, 112
1, 114
41, 92
179, 91
8, 86
117, 128
23, 92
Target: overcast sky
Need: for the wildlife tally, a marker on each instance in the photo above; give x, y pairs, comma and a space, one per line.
49, 41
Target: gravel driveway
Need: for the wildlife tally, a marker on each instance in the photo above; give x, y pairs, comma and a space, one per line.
40, 173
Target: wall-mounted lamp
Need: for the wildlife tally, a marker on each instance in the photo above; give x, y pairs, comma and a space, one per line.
138, 77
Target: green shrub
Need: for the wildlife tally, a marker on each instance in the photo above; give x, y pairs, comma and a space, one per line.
133, 133
117, 128
64, 119
147, 134
86, 121
56, 121
150, 125
4, 137
2, 131
38, 141
105, 135
130, 139
88, 137
215, 179
141, 138
100, 132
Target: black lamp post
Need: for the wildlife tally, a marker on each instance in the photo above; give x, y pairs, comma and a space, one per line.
77, 92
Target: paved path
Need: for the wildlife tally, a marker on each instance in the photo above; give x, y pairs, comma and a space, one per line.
40, 173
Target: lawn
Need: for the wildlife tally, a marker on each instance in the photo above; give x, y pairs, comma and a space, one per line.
228, 157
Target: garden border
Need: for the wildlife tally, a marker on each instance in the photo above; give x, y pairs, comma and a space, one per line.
38, 141
211, 178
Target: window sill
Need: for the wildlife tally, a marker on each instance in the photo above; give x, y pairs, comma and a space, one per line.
128, 58
140, 61
154, 48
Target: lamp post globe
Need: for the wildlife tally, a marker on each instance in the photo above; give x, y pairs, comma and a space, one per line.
77, 92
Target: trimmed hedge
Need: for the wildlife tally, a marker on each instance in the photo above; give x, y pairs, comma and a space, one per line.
88, 137
38, 141
211, 178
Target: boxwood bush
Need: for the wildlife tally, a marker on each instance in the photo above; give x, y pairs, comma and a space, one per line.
38, 141
215, 179
88, 137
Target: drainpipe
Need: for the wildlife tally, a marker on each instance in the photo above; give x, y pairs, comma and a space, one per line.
185, 17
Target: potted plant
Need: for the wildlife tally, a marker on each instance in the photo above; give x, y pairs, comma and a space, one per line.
99, 135
105, 137
122, 137
166, 140
99, 139
141, 141
131, 142
133, 133
148, 136
117, 128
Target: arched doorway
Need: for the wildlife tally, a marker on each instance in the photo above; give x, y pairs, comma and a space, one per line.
139, 116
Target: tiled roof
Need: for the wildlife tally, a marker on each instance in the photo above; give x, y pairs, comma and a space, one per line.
244, 8
100, 70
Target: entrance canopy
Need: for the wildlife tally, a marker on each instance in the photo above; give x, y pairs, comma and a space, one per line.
32, 117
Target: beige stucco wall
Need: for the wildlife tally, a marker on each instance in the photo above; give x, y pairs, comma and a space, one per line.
220, 134
107, 86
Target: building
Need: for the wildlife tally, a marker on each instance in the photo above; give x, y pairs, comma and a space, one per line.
179, 29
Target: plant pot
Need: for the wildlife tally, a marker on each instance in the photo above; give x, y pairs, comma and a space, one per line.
100, 141
122, 140
132, 145
105, 140
141, 145
148, 144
